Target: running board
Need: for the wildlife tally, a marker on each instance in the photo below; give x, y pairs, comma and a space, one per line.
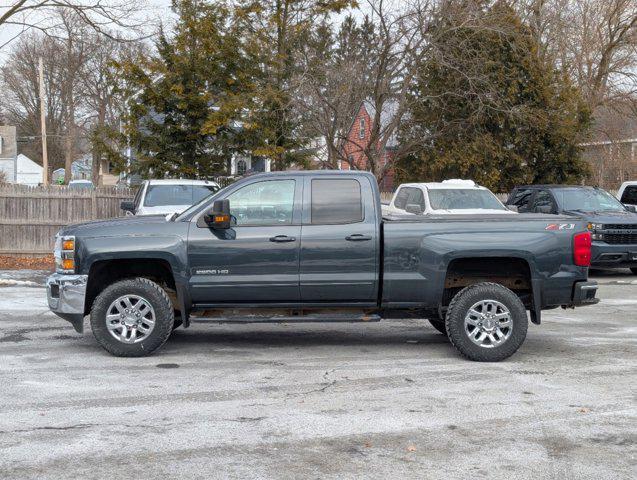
289, 319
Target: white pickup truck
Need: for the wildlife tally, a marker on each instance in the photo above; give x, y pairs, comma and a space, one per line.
450, 197
164, 197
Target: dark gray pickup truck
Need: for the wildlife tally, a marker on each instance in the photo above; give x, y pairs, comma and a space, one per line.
313, 247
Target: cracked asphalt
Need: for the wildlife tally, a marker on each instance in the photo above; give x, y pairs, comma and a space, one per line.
384, 400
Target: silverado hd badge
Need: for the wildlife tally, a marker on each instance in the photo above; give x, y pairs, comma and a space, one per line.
210, 271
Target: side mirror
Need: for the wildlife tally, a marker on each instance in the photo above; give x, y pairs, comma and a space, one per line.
219, 217
631, 208
543, 209
513, 208
128, 206
413, 208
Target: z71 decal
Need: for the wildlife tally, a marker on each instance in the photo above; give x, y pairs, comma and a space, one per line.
560, 226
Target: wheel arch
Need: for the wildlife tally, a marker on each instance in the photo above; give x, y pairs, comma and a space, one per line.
103, 273
512, 272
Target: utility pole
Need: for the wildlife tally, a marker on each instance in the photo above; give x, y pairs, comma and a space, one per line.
45, 158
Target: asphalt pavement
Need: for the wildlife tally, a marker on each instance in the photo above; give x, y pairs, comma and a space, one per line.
386, 400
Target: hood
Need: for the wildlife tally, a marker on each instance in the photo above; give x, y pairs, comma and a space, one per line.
96, 227
608, 217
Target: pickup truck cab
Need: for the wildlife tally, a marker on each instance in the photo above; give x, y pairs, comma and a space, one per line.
613, 226
627, 193
164, 197
449, 197
313, 247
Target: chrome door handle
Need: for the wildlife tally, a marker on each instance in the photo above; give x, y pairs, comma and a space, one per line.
357, 237
282, 239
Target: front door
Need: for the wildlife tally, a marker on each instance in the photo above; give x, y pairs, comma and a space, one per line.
257, 259
339, 241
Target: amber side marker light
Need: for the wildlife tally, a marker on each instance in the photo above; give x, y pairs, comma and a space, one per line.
222, 218
68, 264
68, 245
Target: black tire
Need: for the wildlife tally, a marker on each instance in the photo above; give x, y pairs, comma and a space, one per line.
458, 309
439, 325
634, 270
155, 296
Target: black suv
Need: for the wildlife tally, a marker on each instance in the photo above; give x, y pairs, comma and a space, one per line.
613, 225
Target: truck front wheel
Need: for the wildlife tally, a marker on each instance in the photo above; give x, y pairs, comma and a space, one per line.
132, 318
486, 322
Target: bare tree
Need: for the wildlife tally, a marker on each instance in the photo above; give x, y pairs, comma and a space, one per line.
595, 41
379, 74
40, 15
20, 100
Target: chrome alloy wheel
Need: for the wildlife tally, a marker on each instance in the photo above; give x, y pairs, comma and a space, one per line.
488, 323
130, 319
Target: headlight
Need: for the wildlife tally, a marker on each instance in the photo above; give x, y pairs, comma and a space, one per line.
595, 226
64, 253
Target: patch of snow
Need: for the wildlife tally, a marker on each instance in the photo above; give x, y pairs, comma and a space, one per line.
23, 283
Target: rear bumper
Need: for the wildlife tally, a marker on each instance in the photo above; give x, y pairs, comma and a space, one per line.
584, 294
65, 295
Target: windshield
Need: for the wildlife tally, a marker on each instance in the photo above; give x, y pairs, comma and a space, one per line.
587, 200
463, 199
161, 195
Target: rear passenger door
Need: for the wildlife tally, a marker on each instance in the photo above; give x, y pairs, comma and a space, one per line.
339, 241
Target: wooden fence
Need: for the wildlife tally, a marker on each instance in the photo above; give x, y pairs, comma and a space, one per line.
31, 216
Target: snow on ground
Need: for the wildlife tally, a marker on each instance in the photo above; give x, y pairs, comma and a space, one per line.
23, 299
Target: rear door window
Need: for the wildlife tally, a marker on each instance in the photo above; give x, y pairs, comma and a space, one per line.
629, 195
416, 198
336, 201
401, 198
543, 199
521, 199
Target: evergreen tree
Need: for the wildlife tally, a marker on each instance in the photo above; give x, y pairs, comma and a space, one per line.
487, 107
187, 102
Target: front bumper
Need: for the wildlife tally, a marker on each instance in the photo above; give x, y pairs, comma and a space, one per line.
608, 255
66, 294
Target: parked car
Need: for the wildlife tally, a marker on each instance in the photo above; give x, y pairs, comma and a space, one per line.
313, 247
627, 193
613, 225
450, 197
168, 196
80, 184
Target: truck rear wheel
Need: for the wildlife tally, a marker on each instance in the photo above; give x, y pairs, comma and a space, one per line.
132, 318
634, 270
486, 322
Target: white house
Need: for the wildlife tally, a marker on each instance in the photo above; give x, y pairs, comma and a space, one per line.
27, 172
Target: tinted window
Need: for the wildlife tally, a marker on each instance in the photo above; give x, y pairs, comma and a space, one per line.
543, 199
463, 199
630, 195
521, 199
264, 203
160, 195
401, 198
336, 201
